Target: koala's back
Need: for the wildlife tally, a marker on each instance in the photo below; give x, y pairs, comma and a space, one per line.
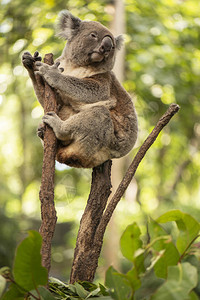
124, 117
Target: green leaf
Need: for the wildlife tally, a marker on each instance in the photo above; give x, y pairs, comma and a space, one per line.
193, 296
88, 286
134, 279
57, 281
102, 298
130, 241
149, 284
93, 293
13, 293
43, 292
194, 261
165, 252
181, 280
5, 271
72, 288
172, 215
118, 285
2, 284
131, 247
28, 271
187, 225
81, 292
103, 290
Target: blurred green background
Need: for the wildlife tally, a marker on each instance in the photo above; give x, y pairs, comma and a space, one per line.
161, 65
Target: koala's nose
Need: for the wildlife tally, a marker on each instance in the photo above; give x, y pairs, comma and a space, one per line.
106, 44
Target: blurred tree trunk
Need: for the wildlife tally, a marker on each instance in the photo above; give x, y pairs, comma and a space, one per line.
112, 234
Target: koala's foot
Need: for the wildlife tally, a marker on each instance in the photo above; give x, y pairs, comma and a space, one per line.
52, 119
28, 60
41, 130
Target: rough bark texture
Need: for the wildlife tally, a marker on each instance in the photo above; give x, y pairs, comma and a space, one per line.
48, 212
95, 220
86, 253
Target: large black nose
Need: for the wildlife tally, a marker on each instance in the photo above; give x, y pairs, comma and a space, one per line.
106, 45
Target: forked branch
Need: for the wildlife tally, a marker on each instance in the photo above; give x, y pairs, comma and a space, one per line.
95, 218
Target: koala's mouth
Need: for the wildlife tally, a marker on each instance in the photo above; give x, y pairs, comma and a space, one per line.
96, 56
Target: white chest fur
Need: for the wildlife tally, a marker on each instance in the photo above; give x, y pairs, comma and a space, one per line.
78, 72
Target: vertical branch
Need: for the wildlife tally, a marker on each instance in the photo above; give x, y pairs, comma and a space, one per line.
85, 255
48, 212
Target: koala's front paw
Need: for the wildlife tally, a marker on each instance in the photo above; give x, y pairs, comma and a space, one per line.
51, 119
28, 60
49, 73
42, 68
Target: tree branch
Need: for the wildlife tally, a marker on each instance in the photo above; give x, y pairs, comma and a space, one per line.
85, 255
48, 212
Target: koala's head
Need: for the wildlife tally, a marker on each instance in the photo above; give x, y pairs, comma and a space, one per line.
89, 43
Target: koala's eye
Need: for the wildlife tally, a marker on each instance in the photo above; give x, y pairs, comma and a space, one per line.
93, 35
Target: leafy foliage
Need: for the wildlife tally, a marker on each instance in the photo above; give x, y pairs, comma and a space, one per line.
29, 279
28, 274
165, 267
161, 268
27, 270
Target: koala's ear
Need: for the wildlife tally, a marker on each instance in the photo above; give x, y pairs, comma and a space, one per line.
119, 41
68, 25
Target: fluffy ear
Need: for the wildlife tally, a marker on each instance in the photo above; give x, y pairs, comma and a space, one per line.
68, 25
119, 41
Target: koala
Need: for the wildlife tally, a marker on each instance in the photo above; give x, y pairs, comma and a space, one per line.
96, 119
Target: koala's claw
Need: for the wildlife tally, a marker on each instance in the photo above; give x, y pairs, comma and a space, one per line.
51, 113
36, 57
41, 130
56, 65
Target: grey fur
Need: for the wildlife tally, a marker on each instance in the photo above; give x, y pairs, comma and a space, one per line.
96, 120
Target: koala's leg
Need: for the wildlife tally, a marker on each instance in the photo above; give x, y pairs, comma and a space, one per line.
93, 129
59, 127
88, 136
38, 83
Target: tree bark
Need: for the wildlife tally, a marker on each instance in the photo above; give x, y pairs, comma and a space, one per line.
95, 219
48, 212
85, 255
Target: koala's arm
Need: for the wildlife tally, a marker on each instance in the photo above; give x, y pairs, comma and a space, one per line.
86, 90
29, 63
